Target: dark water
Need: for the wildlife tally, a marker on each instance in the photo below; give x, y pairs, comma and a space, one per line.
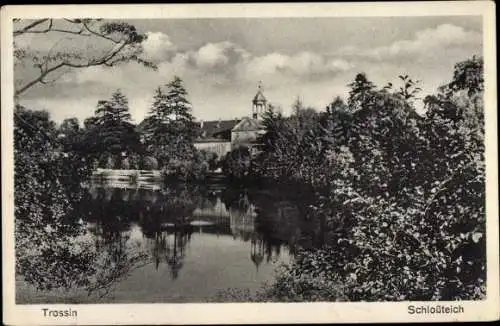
181, 243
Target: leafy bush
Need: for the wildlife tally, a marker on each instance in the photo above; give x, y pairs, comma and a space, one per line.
52, 251
149, 163
237, 163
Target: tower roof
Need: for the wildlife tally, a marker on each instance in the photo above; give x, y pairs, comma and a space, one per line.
259, 97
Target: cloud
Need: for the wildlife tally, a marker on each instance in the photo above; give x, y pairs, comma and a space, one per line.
431, 45
221, 77
429, 41
221, 62
206, 70
302, 65
211, 55
158, 46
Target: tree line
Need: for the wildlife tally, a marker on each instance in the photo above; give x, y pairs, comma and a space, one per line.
109, 139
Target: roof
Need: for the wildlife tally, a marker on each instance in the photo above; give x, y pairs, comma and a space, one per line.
259, 97
218, 129
222, 139
248, 124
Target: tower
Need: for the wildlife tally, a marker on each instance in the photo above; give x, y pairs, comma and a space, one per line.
259, 103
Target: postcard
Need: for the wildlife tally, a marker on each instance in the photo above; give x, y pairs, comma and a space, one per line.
249, 163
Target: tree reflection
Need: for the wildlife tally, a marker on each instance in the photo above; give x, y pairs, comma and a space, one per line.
97, 248
76, 262
169, 246
76, 251
257, 251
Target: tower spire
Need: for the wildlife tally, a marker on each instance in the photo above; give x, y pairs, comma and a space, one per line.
259, 102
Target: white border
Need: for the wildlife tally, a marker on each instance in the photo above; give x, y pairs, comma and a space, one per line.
236, 313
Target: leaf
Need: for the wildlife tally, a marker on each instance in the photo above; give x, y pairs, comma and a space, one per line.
476, 237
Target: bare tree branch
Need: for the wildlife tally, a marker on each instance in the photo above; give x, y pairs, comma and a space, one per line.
129, 37
44, 72
85, 25
30, 26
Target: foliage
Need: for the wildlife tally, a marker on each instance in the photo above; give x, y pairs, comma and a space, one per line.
284, 142
360, 93
402, 194
169, 129
237, 163
110, 132
52, 251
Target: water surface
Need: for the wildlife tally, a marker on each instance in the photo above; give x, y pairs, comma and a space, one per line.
153, 243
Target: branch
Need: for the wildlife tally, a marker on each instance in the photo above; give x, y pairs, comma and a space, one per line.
51, 29
45, 72
30, 26
86, 29
85, 25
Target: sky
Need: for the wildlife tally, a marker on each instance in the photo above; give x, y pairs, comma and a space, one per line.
221, 61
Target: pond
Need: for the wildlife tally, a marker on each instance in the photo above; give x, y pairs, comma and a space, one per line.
182, 243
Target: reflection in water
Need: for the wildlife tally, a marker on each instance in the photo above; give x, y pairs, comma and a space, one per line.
135, 227
169, 217
170, 248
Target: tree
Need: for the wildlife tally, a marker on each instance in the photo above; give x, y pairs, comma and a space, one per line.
69, 126
278, 146
169, 128
154, 126
70, 135
338, 104
113, 111
468, 75
181, 109
237, 163
361, 90
49, 250
297, 106
111, 131
119, 42
409, 89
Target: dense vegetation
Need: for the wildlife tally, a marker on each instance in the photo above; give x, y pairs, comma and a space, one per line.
401, 195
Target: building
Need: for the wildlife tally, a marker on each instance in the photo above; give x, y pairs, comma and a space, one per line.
215, 136
222, 136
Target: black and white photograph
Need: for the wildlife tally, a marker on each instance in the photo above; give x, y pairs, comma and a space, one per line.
198, 159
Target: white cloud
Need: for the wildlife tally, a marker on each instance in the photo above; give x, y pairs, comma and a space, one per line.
303, 64
219, 55
205, 71
211, 55
221, 77
429, 41
266, 65
217, 64
158, 46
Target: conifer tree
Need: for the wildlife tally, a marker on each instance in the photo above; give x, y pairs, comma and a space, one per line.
115, 110
113, 129
336, 106
169, 127
181, 109
157, 131
360, 92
